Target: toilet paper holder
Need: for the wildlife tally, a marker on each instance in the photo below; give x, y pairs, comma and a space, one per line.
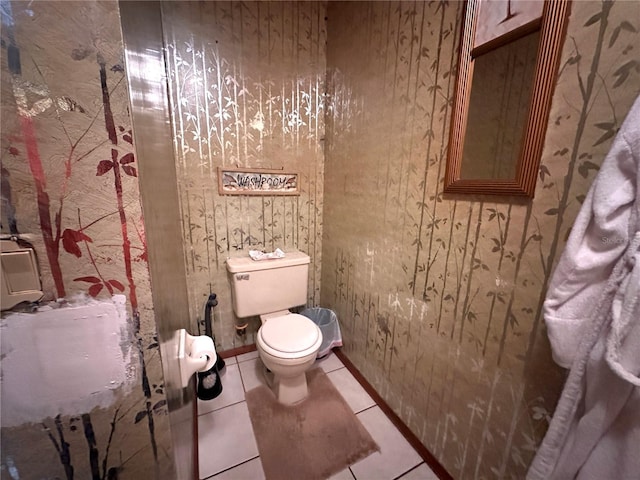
195, 354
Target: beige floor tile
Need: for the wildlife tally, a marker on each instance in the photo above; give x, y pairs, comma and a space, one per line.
396, 455
252, 372
421, 472
251, 470
247, 356
329, 363
230, 360
343, 475
232, 391
356, 396
227, 445
225, 439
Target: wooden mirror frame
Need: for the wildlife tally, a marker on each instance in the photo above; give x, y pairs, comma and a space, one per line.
552, 33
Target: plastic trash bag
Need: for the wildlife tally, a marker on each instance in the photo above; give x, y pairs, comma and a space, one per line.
327, 320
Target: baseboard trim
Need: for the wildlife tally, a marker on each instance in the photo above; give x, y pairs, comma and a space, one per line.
238, 351
426, 455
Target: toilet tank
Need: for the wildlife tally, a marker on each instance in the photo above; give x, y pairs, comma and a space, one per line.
267, 286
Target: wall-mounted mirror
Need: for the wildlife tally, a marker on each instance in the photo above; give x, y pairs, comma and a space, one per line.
508, 62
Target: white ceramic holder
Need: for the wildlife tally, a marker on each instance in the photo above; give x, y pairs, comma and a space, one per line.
195, 354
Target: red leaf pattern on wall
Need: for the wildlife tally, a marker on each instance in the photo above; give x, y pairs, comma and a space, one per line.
103, 167
94, 290
87, 279
55, 178
129, 170
70, 239
117, 285
99, 284
128, 158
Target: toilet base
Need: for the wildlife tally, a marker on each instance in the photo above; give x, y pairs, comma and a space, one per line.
289, 372
291, 390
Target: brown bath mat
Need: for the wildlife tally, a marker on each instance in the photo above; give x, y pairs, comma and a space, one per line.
312, 440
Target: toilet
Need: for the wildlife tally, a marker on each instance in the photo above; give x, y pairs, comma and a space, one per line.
287, 343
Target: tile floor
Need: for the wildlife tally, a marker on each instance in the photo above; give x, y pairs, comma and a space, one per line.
228, 450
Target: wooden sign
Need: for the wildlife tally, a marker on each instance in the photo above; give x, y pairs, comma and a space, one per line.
246, 181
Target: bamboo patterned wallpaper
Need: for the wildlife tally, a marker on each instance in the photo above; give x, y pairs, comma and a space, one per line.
69, 180
247, 90
440, 297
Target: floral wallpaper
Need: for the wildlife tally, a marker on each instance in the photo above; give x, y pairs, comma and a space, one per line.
69, 186
247, 90
440, 297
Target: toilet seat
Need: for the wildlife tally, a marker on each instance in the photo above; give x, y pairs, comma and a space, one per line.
289, 336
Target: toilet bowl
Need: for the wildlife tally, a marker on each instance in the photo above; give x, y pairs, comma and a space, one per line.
288, 345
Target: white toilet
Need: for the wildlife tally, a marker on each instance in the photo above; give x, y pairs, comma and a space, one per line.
288, 343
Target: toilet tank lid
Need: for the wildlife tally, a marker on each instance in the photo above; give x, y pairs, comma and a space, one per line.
247, 264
